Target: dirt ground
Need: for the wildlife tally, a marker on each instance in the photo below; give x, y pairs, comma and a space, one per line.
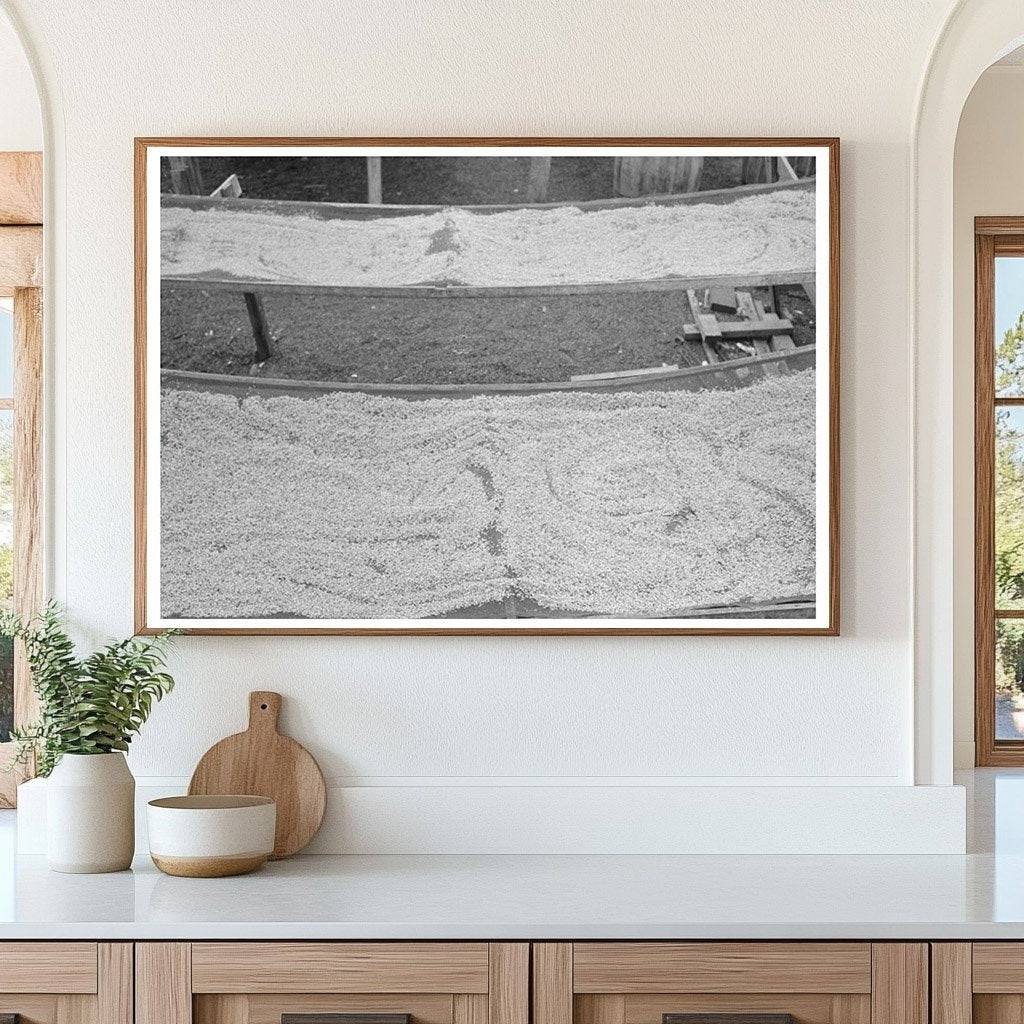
437, 341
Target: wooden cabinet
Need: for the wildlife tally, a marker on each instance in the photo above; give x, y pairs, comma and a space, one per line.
979, 982
815, 982
260, 982
66, 982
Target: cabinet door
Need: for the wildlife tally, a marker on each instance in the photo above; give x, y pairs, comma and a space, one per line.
980, 982
66, 982
332, 983
737, 982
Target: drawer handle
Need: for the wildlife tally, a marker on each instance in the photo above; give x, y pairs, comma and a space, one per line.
340, 1018
728, 1018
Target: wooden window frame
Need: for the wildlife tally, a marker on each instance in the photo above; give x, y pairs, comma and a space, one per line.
21, 268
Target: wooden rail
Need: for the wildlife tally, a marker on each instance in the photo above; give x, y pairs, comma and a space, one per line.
245, 385
461, 291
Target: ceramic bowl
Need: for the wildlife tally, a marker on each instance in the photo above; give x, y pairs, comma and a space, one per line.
211, 836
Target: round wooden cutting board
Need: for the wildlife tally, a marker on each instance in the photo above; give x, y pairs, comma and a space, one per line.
262, 762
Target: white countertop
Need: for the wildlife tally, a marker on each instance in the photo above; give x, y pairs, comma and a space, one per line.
532, 897
980, 895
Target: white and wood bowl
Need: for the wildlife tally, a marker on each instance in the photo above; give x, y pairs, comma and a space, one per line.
211, 836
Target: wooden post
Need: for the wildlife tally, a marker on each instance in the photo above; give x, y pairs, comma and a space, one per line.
231, 188
537, 181
374, 181
186, 178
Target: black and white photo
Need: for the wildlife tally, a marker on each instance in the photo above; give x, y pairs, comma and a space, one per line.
463, 388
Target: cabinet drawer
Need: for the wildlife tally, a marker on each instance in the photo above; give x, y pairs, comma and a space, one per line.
48, 967
263, 982
340, 967
733, 982
630, 967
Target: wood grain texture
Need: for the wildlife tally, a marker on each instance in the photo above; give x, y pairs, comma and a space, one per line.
468, 1008
142, 144
28, 483
48, 967
806, 1008
998, 967
115, 988
951, 983
599, 1009
508, 989
262, 762
899, 983
224, 1009
263, 1008
21, 257
754, 967
76, 1009
21, 188
32, 1009
339, 967
998, 1009
552, 983
163, 983
851, 1009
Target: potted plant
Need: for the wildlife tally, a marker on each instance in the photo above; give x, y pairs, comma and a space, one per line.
89, 709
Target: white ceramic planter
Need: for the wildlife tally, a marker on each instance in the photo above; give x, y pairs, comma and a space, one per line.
90, 814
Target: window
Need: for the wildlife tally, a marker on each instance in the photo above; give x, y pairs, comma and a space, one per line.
999, 490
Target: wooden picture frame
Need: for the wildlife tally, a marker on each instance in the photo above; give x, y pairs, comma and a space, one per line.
21, 278
825, 620
993, 237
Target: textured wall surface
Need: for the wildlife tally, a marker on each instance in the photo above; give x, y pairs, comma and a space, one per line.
808, 711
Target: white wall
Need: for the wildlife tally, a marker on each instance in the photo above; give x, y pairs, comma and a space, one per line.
445, 712
21, 125
988, 180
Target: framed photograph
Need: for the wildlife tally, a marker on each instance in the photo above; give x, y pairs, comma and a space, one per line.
487, 386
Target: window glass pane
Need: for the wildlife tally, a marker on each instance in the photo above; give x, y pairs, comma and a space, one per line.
1009, 523
1009, 679
1009, 326
6, 567
6, 348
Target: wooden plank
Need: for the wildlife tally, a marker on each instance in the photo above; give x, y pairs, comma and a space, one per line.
600, 1009
227, 1009
786, 172
115, 996
21, 257
552, 983
163, 983
374, 181
65, 967
899, 983
74, 1009
339, 967
467, 1008
998, 967
722, 967
21, 188
623, 374
951, 983
723, 299
508, 991
236, 384
537, 179
741, 328
851, 1009
460, 291
28, 483
229, 188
